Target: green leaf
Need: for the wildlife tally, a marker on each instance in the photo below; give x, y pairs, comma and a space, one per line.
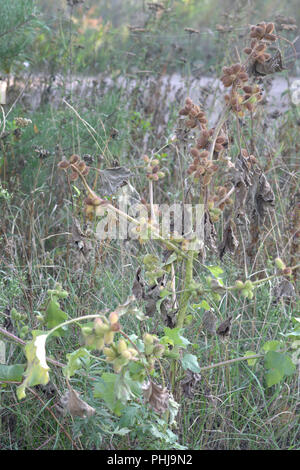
215, 270
279, 365
174, 335
105, 389
37, 368
273, 345
74, 362
54, 316
12, 373
251, 362
204, 305
189, 361
273, 377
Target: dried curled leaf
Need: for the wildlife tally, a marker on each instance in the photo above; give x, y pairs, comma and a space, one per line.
111, 179
230, 242
75, 406
156, 396
138, 285
209, 321
189, 382
284, 289
224, 329
264, 196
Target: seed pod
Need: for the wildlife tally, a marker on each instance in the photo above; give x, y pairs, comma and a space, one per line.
206, 179
260, 48
110, 353
149, 349
148, 339
248, 89
122, 346
243, 76
109, 337
195, 152
270, 28
158, 350
245, 293
226, 80
85, 171
270, 37
191, 123
126, 354
81, 166
133, 352
248, 285
74, 159
236, 68
113, 318
99, 343
239, 284
64, 164
279, 263
204, 154
73, 176
98, 324
218, 147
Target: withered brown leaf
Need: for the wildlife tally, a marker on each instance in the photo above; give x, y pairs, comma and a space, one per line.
75, 406
209, 321
189, 382
224, 328
156, 396
111, 179
230, 241
138, 288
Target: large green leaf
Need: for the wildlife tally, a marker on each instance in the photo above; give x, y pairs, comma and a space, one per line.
174, 335
37, 369
55, 316
189, 361
105, 389
74, 361
278, 366
12, 373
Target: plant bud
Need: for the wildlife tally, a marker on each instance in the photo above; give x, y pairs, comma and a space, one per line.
148, 339
99, 343
149, 349
98, 323
74, 159
109, 337
113, 318
239, 284
279, 263
245, 293
126, 354
122, 346
248, 285
158, 350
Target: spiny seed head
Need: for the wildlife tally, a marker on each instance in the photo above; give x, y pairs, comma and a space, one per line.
63, 164
113, 318
74, 159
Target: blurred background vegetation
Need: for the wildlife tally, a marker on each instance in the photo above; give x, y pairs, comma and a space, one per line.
112, 61
116, 35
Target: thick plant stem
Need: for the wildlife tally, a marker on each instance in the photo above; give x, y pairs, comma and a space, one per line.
183, 303
184, 298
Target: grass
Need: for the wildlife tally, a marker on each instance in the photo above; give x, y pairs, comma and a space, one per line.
231, 408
